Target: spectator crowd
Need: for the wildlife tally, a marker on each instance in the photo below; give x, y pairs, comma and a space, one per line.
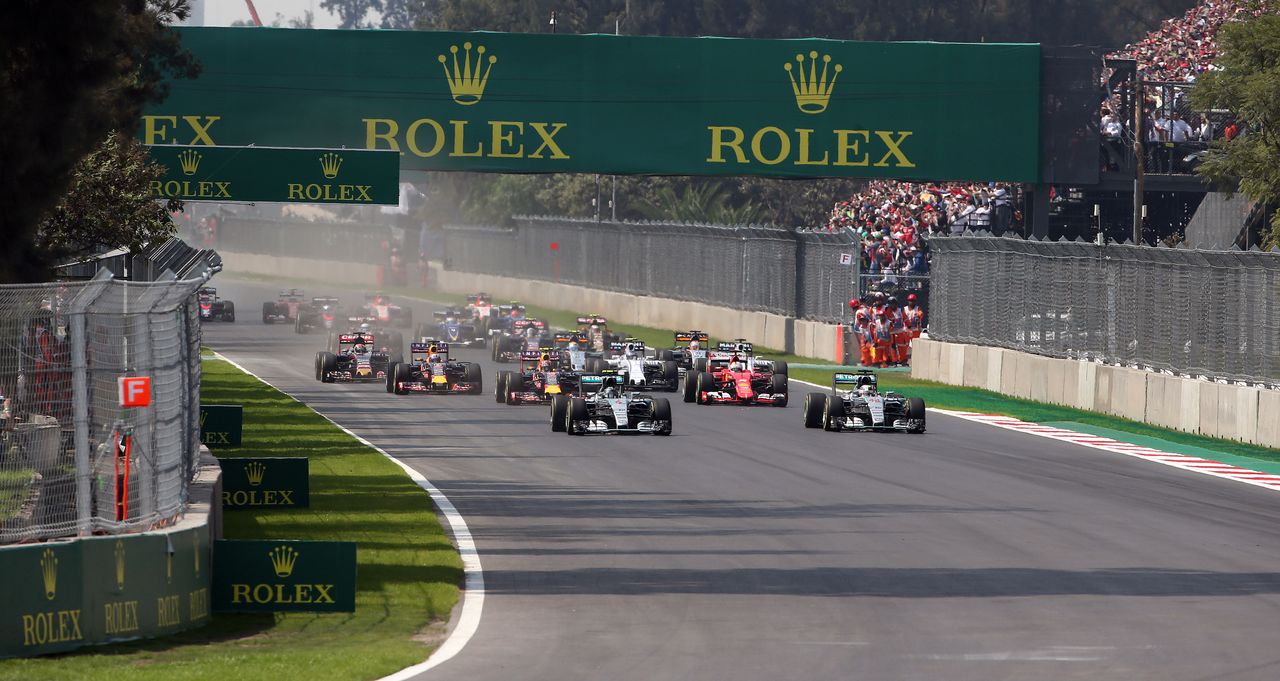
895, 220
1185, 47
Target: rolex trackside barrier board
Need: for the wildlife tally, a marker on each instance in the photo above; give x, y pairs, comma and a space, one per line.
616, 104
58, 596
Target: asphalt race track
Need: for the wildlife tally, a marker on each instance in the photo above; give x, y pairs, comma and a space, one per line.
745, 547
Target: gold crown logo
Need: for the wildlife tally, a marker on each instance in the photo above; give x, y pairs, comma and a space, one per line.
49, 572
282, 560
467, 84
203, 415
812, 90
119, 564
255, 472
329, 164
190, 160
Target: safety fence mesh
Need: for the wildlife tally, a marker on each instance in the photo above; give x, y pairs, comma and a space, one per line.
809, 275
63, 347
1192, 312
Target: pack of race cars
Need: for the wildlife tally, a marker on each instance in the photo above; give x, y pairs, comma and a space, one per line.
593, 380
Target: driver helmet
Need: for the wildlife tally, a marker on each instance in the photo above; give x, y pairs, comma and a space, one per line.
544, 362
515, 312
573, 345
531, 332
609, 388
630, 350
360, 349
450, 319
866, 389
364, 327
736, 364
694, 345
435, 358
595, 328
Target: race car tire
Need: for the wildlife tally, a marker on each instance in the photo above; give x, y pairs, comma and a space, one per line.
830, 422
706, 383
780, 367
778, 386
228, 311
500, 388
691, 386
515, 384
671, 375
319, 364
666, 356
559, 412
577, 412
662, 412
399, 372
915, 411
700, 364
814, 406
268, 311
471, 374
391, 377
329, 362
298, 326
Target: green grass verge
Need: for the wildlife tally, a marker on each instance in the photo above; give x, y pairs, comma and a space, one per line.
408, 572
938, 395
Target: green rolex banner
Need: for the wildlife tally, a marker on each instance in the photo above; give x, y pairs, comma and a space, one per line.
278, 482
259, 575
221, 425
200, 173
538, 103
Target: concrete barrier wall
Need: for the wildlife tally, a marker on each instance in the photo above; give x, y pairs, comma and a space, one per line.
809, 339
1228, 411
359, 274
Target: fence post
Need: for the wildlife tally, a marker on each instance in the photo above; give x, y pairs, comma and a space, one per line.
80, 397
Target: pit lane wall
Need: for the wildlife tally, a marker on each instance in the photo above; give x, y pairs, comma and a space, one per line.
1233, 412
62, 595
801, 337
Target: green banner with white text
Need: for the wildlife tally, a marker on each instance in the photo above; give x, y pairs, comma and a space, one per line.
232, 173
539, 103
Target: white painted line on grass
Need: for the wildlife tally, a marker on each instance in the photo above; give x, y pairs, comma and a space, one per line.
473, 590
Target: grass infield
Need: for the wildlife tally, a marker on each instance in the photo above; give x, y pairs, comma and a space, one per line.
408, 572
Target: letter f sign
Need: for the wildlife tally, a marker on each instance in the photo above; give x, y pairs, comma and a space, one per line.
135, 391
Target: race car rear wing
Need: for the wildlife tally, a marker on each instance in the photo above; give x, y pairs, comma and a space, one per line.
439, 347
447, 312
591, 383
355, 338
738, 346
324, 300
845, 382
535, 355
592, 319
690, 336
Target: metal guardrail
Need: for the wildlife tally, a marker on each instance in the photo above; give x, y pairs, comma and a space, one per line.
1192, 312
62, 349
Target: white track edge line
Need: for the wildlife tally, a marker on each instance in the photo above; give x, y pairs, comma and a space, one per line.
1117, 448
473, 590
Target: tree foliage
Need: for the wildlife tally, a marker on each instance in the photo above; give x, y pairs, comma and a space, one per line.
109, 204
1247, 84
69, 78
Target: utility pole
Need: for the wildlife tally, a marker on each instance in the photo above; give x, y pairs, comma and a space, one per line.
613, 194
1139, 159
552, 23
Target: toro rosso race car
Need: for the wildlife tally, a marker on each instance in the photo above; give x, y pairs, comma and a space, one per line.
690, 346
284, 308
379, 308
214, 308
730, 375
355, 361
454, 327
430, 370
639, 372
525, 335
855, 403
609, 408
320, 313
539, 379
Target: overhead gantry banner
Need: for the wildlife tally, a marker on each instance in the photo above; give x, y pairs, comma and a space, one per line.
540, 103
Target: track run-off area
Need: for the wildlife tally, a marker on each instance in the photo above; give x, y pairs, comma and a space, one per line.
746, 547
